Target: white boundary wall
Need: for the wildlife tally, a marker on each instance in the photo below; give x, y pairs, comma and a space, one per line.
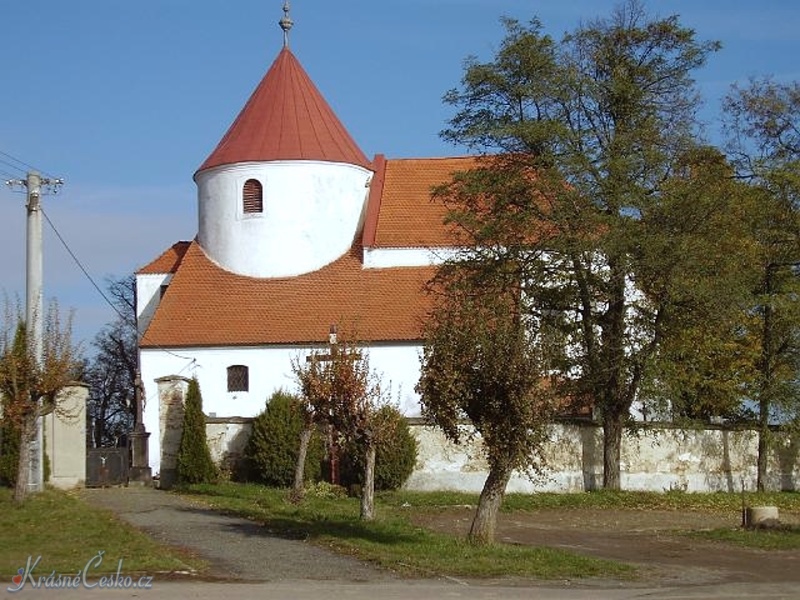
654, 458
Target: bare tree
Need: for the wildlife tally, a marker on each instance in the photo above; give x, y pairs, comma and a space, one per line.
340, 390
315, 407
111, 372
30, 386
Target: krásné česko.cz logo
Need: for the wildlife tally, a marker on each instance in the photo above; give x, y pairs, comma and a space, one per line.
28, 576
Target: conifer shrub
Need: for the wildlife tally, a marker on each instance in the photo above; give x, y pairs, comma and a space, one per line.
194, 457
9, 452
395, 456
271, 452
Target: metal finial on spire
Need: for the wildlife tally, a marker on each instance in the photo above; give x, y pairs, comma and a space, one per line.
286, 23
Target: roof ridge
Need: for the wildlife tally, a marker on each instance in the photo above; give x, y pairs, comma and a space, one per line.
435, 158
374, 201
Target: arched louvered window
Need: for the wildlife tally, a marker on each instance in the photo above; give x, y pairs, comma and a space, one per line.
238, 378
253, 196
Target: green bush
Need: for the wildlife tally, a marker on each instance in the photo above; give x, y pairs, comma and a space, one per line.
271, 452
194, 457
323, 489
9, 452
394, 458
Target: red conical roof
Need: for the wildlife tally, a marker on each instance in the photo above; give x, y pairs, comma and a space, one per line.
286, 118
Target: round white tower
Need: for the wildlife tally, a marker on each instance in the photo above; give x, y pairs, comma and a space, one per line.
284, 191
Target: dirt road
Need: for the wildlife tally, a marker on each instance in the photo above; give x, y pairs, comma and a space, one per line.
656, 541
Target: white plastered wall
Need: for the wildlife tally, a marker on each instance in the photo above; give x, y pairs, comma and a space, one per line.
270, 368
382, 258
311, 213
657, 458
148, 295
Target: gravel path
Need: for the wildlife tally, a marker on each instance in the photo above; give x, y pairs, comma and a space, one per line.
235, 548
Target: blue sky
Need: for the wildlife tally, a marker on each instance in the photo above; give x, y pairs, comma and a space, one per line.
124, 100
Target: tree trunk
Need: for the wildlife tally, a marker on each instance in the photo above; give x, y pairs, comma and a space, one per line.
368, 489
27, 436
298, 490
766, 387
612, 444
483, 525
100, 427
615, 408
763, 445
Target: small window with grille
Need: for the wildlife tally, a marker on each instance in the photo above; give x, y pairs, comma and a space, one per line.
238, 378
252, 197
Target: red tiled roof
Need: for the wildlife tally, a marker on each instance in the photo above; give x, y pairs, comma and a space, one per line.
401, 212
168, 261
208, 306
286, 118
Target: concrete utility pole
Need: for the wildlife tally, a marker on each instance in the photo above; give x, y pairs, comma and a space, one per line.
34, 304
34, 307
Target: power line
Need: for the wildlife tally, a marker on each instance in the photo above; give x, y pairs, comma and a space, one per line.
24, 164
100, 291
80, 266
13, 166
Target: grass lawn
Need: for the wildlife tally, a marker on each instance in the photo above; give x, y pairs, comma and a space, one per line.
67, 534
703, 502
765, 539
392, 542
623, 500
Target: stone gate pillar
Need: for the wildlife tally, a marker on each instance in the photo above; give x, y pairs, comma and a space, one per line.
65, 437
171, 396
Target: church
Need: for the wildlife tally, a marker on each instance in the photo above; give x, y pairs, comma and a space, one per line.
299, 234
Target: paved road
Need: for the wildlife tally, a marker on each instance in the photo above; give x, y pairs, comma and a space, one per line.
256, 565
415, 590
